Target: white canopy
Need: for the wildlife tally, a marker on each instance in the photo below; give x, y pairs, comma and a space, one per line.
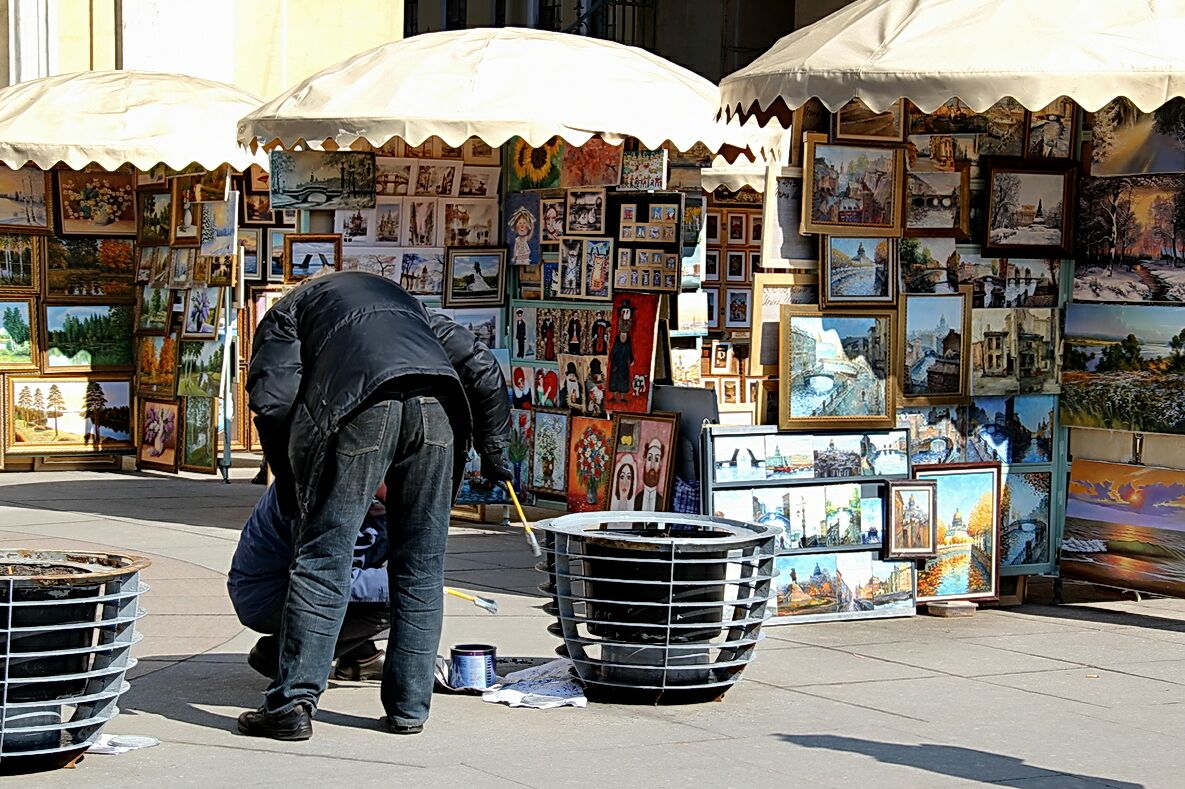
496, 84
980, 51
117, 117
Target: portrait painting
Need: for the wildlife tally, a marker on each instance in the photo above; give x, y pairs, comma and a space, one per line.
96, 203
913, 528
643, 462
553, 215
523, 228
968, 556
854, 190
70, 415
160, 426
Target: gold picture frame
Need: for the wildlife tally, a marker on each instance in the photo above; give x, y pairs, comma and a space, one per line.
822, 210
940, 349
776, 288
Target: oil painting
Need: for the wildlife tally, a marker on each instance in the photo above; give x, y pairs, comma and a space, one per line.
90, 269
1011, 430
83, 337
857, 121
200, 370
549, 457
854, 190
596, 163
938, 204
475, 277
96, 203
936, 433
1024, 513
1128, 141
968, 500
936, 348
89, 414
24, 199
160, 426
534, 168
199, 439
643, 462
858, 271
21, 261
836, 586
590, 458
157, 368
913, 524
321, 180
1029, 207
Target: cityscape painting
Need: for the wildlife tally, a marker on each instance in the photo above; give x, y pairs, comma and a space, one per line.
853, 189
833, 586
966, 567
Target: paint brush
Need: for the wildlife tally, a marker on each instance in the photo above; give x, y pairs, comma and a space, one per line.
527, 530
481, 602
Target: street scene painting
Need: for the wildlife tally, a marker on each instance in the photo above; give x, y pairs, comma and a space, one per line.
17, 336
968, 533
1028, 210
853, 189
88, 336
1001, 127
1131, 239
834, 586
1124, 368
936, 433
24, 199
1024, 512
1128, 141
321, 180
1011, 430
913, 523
993, 352
71, 415
1124, 527
1010, 282
836, 368
934, 354
20, 262
859, 271
942, 153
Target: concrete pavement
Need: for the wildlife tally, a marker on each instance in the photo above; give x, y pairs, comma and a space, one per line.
1038, 697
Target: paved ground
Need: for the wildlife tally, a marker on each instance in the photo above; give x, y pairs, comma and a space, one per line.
1036, 697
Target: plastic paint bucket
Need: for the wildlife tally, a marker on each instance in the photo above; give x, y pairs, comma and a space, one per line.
472, 666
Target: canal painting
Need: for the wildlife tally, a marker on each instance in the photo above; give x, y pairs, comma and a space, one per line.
1024, 510
1124, 527
853, 189
1011, 430
831, 586
858, 271
837, 369
937, 202
1124, 368
913, 527
1010, 282
936, 433
928, 265
1131, 245
935, 362
968, 533
321, 180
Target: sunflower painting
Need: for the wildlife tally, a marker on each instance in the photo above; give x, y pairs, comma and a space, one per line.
535, 168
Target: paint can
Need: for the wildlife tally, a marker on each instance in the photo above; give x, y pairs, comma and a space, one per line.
472, 666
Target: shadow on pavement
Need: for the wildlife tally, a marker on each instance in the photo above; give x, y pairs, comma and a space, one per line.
1105, 616
954, 761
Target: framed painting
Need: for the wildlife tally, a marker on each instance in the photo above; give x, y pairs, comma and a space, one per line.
523, 228
255, 180
22, 258
157, 367
1029, 207
250, 241
631, 352
321, 180
967, 566
736, 266
199, 436
585, 212
913, 522
90, 269
643, 461
597, 282
479, 181
534, 168
274, 260
938, 204
182, 267
770, 292
784, 247
858, 271
203, 306
467, 222
937, 434
553, 216
153, 307
199, 369
160, 423
72, 415
713, 295
185, 211
306, 254
1000, 128
853, 190
721, 360
596, 163
25, 205
218, 226
736, 224
153, 217
477, 151
857, 122
1129, 141
737, 307
475, 278
221, 271
96, 203
549, 455
1053, 131
590, 463
86, 337
837, 369
255, 210
935, 348
19, 336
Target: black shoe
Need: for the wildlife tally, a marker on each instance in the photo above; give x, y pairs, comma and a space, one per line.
362, 670
399, 728
264, 657
296, 724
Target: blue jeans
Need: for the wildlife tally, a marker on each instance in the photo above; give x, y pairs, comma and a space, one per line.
409, 443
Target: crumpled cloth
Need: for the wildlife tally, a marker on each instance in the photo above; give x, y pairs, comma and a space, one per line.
539, 687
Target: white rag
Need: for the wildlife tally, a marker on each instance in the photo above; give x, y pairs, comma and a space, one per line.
539, 687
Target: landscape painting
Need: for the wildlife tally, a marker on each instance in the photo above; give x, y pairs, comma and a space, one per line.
1131, 240
156, 209
1011, 430
21, 259
160, 425
321, 180
199, 450
968, 533
96, 269
1024, 509
24, 199
1124, 368
68, 415
200, 369
853, 189
1029, 209
1124, 527
936, 433
1127, 141
830, 586
88, 336
859, 271
18, 335
157, 370
935, 348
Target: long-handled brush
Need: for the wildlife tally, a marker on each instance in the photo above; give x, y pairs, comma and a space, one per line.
487, 603
527, 530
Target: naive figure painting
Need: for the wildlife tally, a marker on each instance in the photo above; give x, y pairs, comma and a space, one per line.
1131, 239
523, 228
643, 462
854, 190
321, 180
589, 458
967, 565
913, 524
1124, 368
631, 352
549, 456
68, 415
534, 168
160, 423
1124, 527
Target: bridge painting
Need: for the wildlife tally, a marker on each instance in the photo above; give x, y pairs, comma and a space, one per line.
321, 180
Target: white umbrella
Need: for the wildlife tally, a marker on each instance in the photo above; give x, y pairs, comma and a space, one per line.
117, 117
495, 84
980, 51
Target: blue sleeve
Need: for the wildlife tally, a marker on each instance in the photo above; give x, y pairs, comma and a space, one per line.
369, 585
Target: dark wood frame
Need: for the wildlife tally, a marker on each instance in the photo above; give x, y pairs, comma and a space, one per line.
91, 232
903, 114
892, 276
295, 238
1067, 168
890, 549
177, 186
498, 298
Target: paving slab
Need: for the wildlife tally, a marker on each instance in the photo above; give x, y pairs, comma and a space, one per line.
955, 656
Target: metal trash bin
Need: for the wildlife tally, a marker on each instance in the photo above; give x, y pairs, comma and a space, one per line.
67, 625
657, 607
